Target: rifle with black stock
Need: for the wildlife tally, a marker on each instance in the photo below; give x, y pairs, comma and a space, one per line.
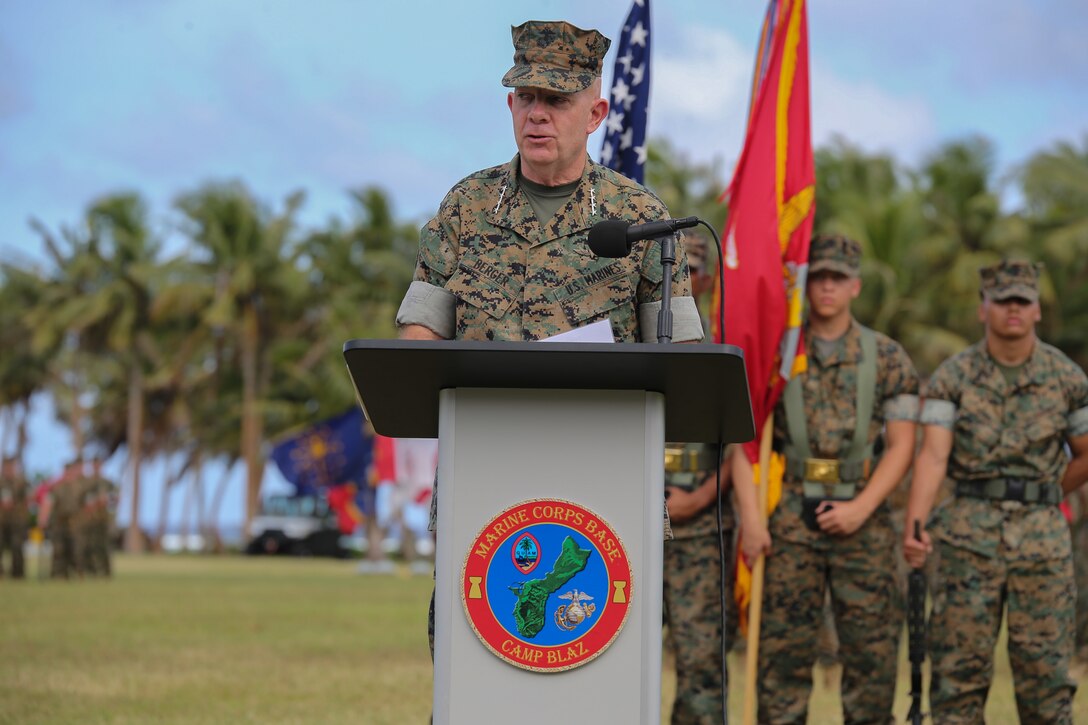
916, 634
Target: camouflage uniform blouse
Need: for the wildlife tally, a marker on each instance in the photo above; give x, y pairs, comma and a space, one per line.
488, 270
1013, 431
13, 495
830, 391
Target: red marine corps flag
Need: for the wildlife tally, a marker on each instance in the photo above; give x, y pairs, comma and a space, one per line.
771, 209
765, 260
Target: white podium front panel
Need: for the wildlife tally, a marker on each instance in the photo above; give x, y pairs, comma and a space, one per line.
603, 450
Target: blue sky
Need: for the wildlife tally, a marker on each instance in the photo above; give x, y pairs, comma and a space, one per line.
98, 96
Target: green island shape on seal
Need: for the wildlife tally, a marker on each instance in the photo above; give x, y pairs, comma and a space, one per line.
533, 595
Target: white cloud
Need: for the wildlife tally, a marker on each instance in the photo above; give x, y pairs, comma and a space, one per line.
870, 117
700, 94
700, 103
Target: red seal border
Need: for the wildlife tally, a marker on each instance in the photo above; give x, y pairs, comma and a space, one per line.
611, 615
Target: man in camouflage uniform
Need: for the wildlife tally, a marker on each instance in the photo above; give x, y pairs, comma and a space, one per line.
14, 516
692, 581
82, 525
996, 419
92, 522
506, 257
64, 503
1078, 527
832, 528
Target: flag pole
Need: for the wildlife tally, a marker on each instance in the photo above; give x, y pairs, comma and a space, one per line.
755, 604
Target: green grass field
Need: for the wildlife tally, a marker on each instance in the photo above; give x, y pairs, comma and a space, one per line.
231, 639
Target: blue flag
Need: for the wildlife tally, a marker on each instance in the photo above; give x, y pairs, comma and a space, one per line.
624, 147
328, 454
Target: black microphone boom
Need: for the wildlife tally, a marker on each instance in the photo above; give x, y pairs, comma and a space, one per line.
614, 237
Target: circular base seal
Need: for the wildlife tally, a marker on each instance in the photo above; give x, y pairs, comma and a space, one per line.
546, 585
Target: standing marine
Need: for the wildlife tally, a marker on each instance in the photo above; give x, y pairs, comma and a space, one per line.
692, 574
997, 419
92, 527
14, 516
846, 428
63, 507
692, 586
507, 255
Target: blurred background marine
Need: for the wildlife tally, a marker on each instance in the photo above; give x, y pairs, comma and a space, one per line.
14, 517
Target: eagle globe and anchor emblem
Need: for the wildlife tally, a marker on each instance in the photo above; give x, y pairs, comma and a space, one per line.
569, 616
546, 585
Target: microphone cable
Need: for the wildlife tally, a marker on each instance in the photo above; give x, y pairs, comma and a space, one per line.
723, 592
721, 280
722, 588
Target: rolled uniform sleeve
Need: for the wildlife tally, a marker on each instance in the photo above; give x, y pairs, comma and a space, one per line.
899, 381
901, 407
428, 302
940, 402
1077, 420
686, 320
430, 306
686, 323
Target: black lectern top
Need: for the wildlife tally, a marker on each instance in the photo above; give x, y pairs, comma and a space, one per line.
705, 386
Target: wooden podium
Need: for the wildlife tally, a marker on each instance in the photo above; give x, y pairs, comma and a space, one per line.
570, 438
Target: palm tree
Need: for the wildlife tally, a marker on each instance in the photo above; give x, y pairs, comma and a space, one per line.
1055, 186
358, 274
964, 229
686, 188
870, 199
100, 302
24, 371
257, 288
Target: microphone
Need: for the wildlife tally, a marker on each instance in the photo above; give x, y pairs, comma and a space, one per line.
614, 237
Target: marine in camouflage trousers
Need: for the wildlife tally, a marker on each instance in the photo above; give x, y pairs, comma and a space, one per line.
65, 562
693, 611
13, 532
1080, 570
859, 573
91, 541
14, 522
1077, 502
967, 605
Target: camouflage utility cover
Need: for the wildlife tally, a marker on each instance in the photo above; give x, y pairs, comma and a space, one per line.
1010, 278
1015, 431
555, 55
830, 391
513, 279
834, 254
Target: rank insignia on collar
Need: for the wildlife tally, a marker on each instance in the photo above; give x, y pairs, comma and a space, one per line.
546, 585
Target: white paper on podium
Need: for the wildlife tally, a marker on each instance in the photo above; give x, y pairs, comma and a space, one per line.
600, 331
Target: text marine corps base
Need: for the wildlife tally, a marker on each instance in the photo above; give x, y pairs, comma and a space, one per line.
546, 585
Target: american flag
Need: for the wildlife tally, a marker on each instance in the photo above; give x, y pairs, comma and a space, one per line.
624, 147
